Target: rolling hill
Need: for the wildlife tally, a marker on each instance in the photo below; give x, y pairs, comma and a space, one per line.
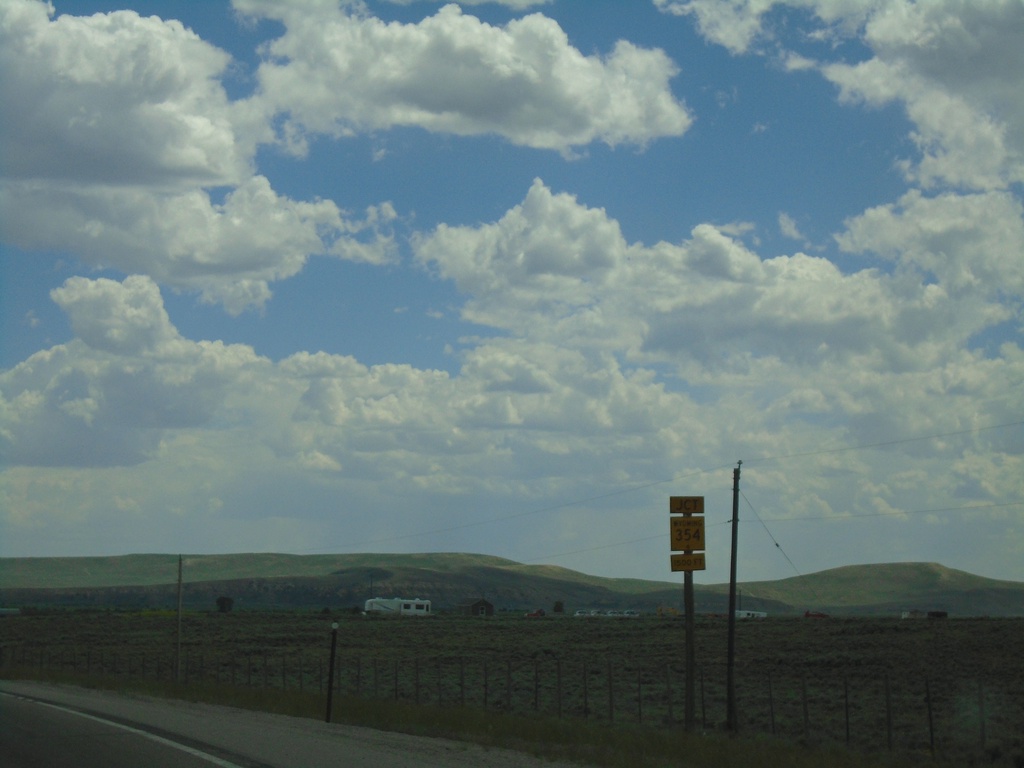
267, 580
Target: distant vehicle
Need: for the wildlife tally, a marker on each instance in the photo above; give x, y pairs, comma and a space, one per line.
815, 615
751, 615
397, 606
631, 614
581, 614
536, 614
613, 614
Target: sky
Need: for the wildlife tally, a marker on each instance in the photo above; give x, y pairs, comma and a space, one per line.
322, 276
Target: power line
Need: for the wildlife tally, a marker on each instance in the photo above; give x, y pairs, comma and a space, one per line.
774, 541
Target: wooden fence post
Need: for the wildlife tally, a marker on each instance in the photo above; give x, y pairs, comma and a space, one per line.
888, 713
536, 686
611, 694
586, 692
846, 707
558, 684
931, 722
668, 693
981, 711
803, 696
704, 708
639, 697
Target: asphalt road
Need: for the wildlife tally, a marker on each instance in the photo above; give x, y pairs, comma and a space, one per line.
55, 726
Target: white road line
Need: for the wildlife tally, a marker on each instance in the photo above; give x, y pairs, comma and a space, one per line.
151, 736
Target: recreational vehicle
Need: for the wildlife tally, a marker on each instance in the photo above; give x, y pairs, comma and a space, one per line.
398, 606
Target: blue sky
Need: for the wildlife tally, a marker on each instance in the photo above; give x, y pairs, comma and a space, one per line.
326, 276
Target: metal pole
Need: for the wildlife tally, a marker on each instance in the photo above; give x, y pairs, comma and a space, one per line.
330, 670
730, 681
177, 648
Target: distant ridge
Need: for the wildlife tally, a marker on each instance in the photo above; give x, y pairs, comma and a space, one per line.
283, 581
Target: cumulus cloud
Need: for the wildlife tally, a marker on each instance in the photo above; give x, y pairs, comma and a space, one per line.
711, 301
113, 99
952, 64
126, 152
229, 251
337, 71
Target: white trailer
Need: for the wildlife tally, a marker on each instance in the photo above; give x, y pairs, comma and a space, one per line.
398, 606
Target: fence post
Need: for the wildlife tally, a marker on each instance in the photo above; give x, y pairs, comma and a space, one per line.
771, 702
508, 685
703, 706
981, 711
639, 697
558, 683
536, 686
846, 707
586, 692
462, 682
668, 693
611, 694
888, 713
416, 666
931, 722
485, 683
803, 696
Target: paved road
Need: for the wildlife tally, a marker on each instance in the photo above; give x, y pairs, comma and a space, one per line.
34, 734
58, 726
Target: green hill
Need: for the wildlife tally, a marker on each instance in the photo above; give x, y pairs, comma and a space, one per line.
268, 580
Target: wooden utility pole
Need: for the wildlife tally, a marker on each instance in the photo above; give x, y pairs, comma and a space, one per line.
730, 682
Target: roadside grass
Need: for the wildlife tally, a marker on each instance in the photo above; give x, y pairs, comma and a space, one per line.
571, 740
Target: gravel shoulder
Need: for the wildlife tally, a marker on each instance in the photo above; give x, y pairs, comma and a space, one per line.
277, 741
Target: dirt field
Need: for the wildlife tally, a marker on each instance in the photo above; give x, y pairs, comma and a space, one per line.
953, 686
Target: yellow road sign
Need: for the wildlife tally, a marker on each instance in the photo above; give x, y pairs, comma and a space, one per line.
686, 505
687, 533
693, 562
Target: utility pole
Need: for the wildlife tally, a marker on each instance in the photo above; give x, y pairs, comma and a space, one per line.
730, 683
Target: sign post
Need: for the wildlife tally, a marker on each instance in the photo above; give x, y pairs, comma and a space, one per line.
687, 535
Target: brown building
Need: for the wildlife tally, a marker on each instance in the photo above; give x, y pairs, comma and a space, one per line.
475, 607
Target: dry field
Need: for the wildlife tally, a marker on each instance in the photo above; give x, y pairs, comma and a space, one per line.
953, 688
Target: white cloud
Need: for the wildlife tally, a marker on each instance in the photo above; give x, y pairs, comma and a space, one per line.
123, 135
114, 99
970, 244
337, 71
228, 251
518, 5
552, 269
788, 227
953, 64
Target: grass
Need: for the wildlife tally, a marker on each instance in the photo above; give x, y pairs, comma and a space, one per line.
585, 743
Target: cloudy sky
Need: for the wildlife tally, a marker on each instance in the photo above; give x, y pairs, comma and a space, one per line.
323, 276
